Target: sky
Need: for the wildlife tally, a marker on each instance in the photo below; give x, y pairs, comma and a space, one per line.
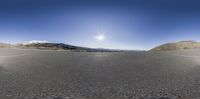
114, 24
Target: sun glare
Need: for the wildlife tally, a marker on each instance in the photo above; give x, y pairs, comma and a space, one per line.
100, 37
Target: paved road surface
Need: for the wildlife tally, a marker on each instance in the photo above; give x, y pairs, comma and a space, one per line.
38, 73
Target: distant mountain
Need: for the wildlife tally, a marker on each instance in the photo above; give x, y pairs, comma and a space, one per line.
62, 46
5, 45
53, 46
182, 45
35, 41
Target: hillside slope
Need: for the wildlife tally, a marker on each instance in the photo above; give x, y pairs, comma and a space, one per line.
182, 45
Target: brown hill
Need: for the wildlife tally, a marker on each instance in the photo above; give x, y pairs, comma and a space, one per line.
52, 46
60, 46
182, 45
5, 45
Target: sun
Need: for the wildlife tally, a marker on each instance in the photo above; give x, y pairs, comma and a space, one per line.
100, 37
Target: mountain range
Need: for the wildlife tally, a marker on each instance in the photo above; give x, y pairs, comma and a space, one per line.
54, 46
181, 45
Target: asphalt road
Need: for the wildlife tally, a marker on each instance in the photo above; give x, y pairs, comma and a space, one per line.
47, 74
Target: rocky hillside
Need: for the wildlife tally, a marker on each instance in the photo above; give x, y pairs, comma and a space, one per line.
182, 45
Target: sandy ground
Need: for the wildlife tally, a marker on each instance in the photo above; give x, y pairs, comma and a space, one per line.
33, 74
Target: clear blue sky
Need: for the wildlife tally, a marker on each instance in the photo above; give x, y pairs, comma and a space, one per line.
126, 24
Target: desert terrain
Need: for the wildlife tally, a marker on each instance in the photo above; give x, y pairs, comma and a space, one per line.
50, 74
